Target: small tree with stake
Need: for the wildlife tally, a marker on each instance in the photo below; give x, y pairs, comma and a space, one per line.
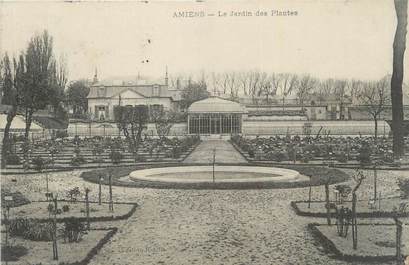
398, 212
358, 178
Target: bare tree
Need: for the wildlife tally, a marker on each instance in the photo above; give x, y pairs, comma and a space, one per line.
355, 87
325, 88
244, 81
233, 86
374, 97
268, 85
289, 82
399, 46
254, 81
215, 83
306, 85
341, 92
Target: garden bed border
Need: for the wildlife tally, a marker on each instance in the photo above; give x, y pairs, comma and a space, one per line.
330, 247
375, 214
91, 219
97, 247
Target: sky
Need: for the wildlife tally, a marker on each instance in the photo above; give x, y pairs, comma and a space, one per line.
328, 39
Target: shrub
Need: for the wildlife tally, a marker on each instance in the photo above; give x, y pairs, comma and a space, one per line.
342, 157
344, 190
306, 158
12, 253
13, 159
73, 193
61, 134
116, 157
403, 185
251, 152
176, 152
73, 230
39, 163
77, 160
65, 208
364, 156
140, 158
31, 229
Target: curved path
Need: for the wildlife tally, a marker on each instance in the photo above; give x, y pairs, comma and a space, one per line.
225, 153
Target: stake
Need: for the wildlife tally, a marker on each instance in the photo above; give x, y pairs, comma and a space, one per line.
87, 207
111, 204
46, 181
398, 241
214, 160
55, 249
375, 176
99, 190
309, 195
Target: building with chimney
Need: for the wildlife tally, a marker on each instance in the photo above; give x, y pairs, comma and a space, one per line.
103, 97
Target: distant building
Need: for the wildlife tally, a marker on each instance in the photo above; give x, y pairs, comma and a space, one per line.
102, 98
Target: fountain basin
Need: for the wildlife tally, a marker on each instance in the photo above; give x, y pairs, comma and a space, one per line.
224, 174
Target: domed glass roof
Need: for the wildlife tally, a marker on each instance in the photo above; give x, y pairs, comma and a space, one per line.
216, 105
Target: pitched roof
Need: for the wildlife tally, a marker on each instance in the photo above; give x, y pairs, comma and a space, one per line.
216, 105
101, 91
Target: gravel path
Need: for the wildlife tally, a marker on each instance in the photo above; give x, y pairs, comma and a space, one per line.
225, 153
207, 226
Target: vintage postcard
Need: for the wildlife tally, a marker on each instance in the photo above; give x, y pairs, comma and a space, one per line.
204, 132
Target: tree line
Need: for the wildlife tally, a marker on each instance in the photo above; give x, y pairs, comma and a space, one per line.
31, 81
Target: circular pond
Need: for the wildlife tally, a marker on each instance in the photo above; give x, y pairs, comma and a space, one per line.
222, 174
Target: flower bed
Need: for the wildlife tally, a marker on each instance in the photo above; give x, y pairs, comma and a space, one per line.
78, 253
376, 242
317, 208
38, 210
341, 150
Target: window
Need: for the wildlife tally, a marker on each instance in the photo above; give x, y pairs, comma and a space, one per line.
156, 91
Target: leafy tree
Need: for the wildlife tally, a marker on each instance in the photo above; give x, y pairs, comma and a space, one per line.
58, 81
77, 93
132, 121
193, 92
163, 120
44, 81
12, 80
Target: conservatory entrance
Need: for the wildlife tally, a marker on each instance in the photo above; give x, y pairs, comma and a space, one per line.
215, 116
